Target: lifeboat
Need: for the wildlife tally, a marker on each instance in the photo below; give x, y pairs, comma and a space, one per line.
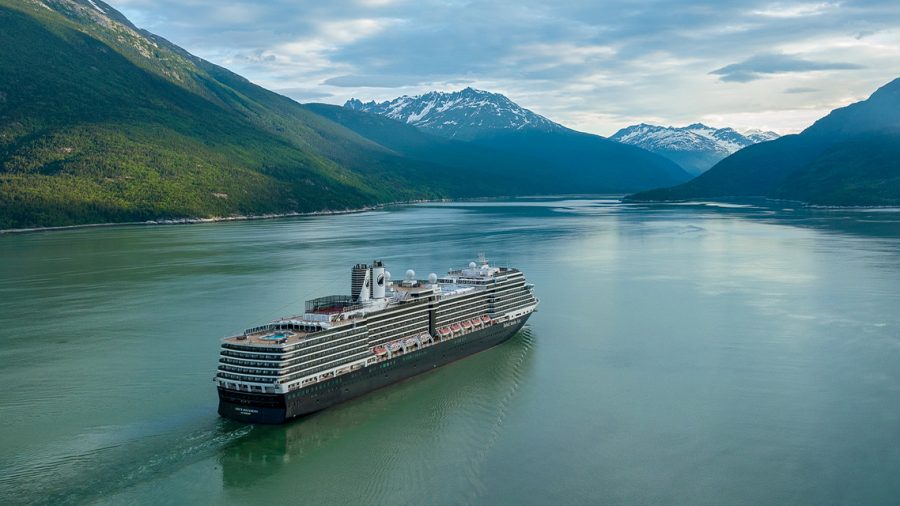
467, 325
411, 341
395, 346
380, 351
444, 331
476, 322
486, 319
456, 327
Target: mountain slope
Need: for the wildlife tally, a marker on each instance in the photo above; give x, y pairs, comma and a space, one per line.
560, 159
575, 162
104, 122
491, 167
463, 115
521, 161
695, 147
849, 157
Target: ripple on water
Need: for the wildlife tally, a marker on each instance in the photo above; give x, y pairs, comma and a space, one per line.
90, 468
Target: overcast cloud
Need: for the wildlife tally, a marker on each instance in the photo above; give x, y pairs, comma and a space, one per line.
591, 65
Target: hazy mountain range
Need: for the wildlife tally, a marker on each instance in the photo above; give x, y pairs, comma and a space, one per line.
849, 157
472, 114
695, 147
493, 121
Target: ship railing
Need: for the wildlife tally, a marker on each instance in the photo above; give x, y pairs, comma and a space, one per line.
430, 340
324, 375
423, 340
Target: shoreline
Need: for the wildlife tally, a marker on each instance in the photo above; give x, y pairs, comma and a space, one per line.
729, 199
217, 219
375, 207
293, 214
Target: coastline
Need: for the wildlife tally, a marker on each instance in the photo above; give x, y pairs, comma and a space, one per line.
745, 198
293, 214
216, 219
375, 207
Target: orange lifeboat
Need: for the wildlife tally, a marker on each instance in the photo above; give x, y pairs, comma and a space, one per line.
467, 325
486, 319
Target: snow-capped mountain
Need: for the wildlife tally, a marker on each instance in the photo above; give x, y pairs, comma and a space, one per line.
461, 114
695, 147
756, 135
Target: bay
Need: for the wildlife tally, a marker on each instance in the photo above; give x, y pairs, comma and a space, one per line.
701, 353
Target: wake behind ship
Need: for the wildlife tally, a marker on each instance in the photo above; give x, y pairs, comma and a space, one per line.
345, 346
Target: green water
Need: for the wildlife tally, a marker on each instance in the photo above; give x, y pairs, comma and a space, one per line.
684, 354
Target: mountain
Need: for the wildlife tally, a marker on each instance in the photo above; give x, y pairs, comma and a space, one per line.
101, 121
695, 147
755, 135
561, 159
849, 157
463, 115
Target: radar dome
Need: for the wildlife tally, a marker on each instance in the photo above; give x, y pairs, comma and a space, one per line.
387, 275
410, 275
432, 278
472, 265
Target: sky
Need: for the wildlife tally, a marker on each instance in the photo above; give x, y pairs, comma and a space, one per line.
595, 66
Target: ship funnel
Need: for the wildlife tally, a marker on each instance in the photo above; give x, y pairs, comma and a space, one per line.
379, 280
361, 283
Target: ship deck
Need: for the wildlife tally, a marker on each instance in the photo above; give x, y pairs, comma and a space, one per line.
289, 336
400, 294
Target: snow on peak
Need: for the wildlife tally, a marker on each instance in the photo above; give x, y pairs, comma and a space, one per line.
758, 135
696, 137
459, 114
695, 147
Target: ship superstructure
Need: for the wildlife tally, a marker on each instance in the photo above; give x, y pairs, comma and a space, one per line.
345, 345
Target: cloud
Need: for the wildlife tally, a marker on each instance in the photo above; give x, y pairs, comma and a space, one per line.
794, 10
596, 66
372, 81
758, 66
800, 89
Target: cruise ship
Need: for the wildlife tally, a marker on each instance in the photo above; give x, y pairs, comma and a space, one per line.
344, 346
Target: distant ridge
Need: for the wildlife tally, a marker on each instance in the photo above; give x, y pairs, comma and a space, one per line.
851, 157
695, 147
564, 160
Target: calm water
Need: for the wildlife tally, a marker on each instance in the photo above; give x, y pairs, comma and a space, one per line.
682, 354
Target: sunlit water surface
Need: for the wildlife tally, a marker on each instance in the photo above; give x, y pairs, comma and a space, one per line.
682, 354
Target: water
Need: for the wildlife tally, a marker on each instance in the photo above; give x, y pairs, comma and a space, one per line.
692, 354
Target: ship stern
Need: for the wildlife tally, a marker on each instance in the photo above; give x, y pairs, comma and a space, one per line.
252, 408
